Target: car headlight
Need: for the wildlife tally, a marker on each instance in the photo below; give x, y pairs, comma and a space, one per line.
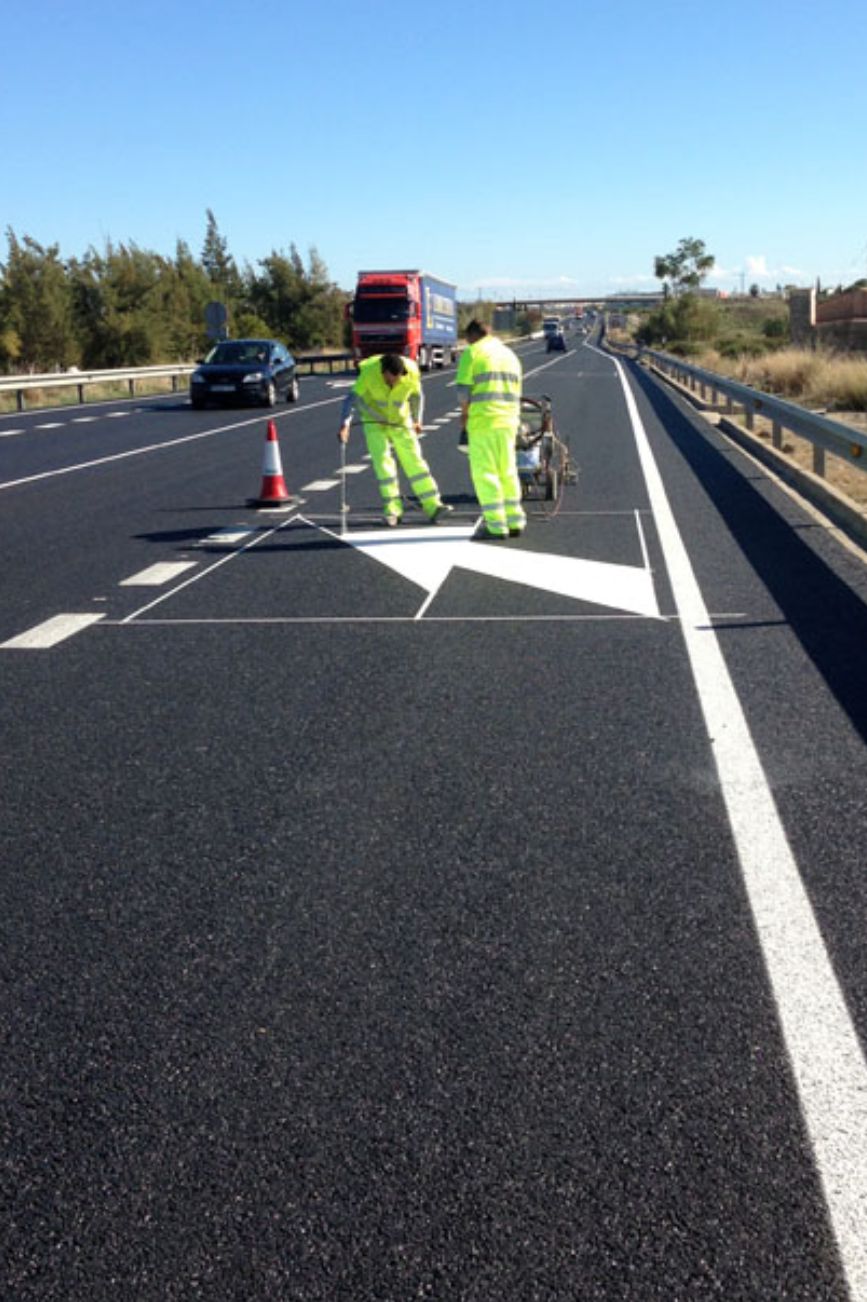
255, 377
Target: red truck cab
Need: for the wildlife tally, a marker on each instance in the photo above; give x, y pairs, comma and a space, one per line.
406, 312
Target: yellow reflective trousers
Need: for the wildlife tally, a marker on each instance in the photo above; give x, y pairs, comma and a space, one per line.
495, 479
382, 444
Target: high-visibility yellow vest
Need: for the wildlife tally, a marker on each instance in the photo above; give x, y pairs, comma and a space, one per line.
492, 373
377, 403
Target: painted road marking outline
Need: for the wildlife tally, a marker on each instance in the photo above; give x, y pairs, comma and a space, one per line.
209, 569
426, 557
825, 1053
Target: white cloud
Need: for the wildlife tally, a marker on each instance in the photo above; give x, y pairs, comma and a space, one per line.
757, 265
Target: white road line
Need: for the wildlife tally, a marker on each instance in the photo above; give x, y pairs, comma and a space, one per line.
380, 619
825, 1053
116, 415
8, 433
83, 420
155, 575
320, 485
642, 541
351, 470
52, 424
49, 633
161, 447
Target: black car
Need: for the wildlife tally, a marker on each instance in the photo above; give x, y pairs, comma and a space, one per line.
555, 342
245, 370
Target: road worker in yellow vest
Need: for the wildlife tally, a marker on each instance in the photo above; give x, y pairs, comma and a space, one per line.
489, 388
388, 398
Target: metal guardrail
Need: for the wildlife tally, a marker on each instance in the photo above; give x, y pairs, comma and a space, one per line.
824, 434
20, 385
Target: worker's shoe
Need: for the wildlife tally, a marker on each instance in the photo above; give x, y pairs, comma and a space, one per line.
515, 533
441, 511
392, 521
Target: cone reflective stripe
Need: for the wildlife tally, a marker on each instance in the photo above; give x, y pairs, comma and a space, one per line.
274, 489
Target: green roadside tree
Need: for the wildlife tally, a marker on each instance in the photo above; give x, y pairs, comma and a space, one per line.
36, 311
685, 268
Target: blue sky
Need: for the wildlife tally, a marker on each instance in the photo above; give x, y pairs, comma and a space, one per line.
507, 147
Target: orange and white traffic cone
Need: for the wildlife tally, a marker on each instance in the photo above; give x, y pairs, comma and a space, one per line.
274, 491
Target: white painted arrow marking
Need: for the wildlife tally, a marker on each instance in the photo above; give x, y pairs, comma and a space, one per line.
427, 556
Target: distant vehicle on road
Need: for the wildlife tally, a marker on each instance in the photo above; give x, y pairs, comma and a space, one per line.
245, 371
407, 312
551, 325
555, 342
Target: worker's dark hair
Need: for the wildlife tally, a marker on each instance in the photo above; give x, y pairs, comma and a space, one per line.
393, 363
476, 330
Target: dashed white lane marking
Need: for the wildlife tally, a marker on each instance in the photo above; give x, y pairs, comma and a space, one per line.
320, 485
826, 1057
159, 447
154, 575
116, 415
428, 428
230, 535
8, 433
443, 420
52, 424
49, 633
352, 470
83, 420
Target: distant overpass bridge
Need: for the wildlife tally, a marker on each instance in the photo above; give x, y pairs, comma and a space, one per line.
652, 299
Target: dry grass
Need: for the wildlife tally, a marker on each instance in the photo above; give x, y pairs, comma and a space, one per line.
843, 475
814, 379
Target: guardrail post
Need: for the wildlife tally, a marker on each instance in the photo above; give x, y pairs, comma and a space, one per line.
80, 388
174, 384
777, 434
749, 417
19, 396
818, 460
132, 388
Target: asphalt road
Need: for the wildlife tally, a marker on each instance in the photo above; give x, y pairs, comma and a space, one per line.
404, 916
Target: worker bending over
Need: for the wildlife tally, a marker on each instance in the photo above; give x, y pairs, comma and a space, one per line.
388, 397
489, 389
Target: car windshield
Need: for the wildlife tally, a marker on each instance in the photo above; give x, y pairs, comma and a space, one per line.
369, 310
238, 352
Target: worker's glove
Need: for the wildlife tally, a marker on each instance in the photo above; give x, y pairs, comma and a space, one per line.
464, 442
343, 434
